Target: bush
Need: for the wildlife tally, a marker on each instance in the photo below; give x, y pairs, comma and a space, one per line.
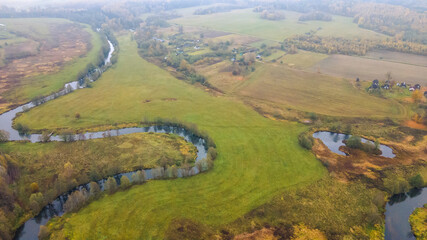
354, 142
306, 141
416, 181
34, 187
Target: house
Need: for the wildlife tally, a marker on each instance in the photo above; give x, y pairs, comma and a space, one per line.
417, 86
386, 86
375, 84
425, 94
357, 80
403, 84
411, 89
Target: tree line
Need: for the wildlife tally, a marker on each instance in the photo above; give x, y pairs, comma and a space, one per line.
334, 45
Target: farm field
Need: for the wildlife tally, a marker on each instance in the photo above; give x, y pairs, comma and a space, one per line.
249, 23
333, 96
46, 54
248, 172
368, 69
398, 57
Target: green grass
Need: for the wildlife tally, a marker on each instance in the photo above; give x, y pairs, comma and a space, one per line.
249, 23
258, 158
45, 84
312, 92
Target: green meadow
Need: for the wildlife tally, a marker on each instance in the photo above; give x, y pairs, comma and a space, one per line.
249, 23
258, 158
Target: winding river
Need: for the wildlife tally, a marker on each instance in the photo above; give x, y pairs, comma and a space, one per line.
397, 212
31, 228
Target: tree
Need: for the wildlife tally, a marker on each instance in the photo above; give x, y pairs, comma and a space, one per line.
68, 170
124, 182
75, 201
43, 233
4, 136
139, 177
45, 137
388, 76
34, 187
417, 96
110, 185
36, 201
95, 190
417, 181
249, 58
77, 115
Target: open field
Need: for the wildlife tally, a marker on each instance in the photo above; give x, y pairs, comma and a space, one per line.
398, 57
312, 92
369, 69
249, 171
303, 59
249, 23
52, 53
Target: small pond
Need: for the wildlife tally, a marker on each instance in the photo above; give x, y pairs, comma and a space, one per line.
335, 140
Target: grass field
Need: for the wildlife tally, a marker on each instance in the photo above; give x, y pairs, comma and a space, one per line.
303, 59
258, 158
52, 67
369, 69
312, 92
249, 23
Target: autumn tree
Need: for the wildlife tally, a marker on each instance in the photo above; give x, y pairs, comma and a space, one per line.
4, 136
36, 202
139, 177
417, 96
124, 182
34, 187
76, 200
110, 185
95, 190
43, 233
249, 58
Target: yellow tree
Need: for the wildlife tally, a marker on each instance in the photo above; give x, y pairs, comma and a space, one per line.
417, 96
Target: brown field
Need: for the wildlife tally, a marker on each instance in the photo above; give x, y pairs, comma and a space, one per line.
67, 42
398, 57
369, 69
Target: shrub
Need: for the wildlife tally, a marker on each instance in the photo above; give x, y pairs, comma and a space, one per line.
416, 181
34, 187
306, 141
354, 142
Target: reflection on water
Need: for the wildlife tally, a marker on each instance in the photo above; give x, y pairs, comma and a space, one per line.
335, 140
398, 210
